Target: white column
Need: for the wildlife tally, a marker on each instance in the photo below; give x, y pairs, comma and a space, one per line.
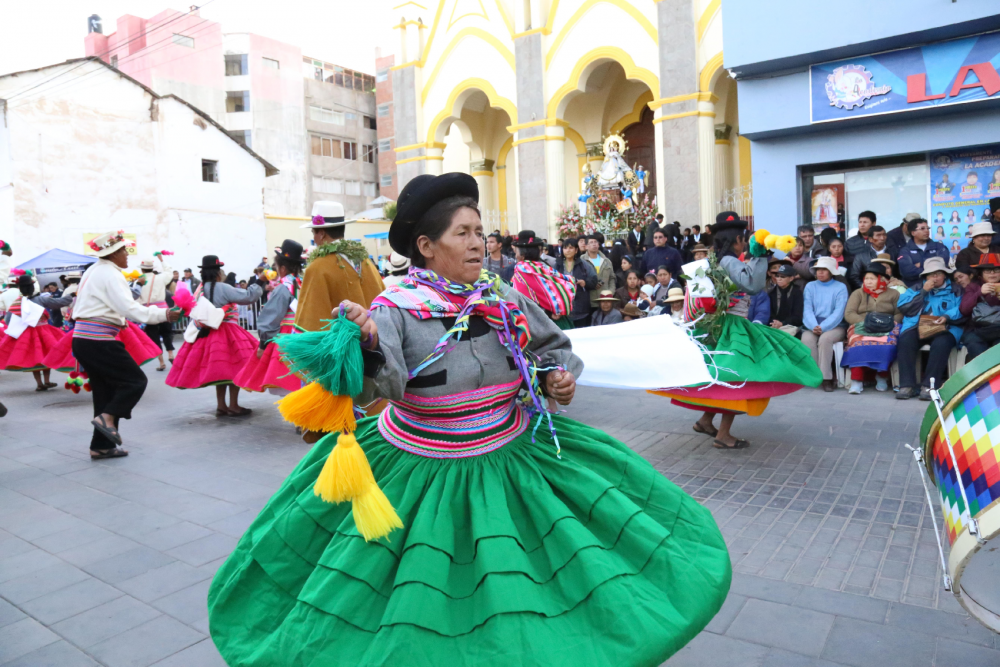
706, 161
555, 182
435, 161
723, 167
482, 171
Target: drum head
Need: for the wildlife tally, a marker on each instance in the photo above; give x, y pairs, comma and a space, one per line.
976, 570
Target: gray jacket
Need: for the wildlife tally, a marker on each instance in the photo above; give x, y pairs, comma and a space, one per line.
270, 316
221, 294
477, 360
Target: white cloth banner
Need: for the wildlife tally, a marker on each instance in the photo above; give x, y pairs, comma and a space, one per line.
205, 314
649, 353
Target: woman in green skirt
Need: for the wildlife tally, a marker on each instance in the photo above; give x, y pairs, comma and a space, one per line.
527, 538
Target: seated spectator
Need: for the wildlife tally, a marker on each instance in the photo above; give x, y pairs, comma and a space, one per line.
786, 301
802, 262
835, 250
824, 301
981, 304
629, 291
914, 255
699, 251
860, 243
869, 351
772, 269
675, 301
810, 245
982, 244
627, 264
760, 308
931, 311
889, 263
606, 312
650, 279
645, 301
875, 245
631, 312
665, 282
585, 277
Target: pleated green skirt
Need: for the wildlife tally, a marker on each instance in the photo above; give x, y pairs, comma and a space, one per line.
512, 558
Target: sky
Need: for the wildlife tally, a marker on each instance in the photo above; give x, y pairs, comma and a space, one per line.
344, 32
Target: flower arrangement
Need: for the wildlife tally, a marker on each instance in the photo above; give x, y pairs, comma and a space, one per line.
570, 223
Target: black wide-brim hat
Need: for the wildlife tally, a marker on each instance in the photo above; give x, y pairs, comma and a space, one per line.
877, 268
210, 262
418, 196
728, 220
526, 239
291, 251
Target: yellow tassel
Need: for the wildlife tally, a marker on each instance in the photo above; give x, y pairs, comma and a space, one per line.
315, 409
374, 515
346, 474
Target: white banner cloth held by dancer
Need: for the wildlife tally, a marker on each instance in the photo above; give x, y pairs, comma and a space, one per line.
31, 312
651, 353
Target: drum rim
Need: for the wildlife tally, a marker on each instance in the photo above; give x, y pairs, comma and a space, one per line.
960, 554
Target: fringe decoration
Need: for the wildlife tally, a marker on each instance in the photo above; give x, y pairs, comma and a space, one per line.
331, 358
374, 515
315, 409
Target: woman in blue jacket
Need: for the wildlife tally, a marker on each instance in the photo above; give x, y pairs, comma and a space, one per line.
938, 299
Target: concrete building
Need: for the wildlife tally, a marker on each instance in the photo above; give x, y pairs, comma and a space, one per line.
386, 111
85, 149
910, 129
522, 94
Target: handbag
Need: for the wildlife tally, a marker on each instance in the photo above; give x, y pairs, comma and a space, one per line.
926, 327
985, 315
878, 323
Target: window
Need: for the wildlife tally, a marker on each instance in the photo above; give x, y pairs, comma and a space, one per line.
381, 75
317, 70
114, 61
271, 63
370, 123
237, 101
352, 188
385, 180
325, 147
210, 171
368, 81
350, 150
242, 137
236, 65
368, 153
384, 145
326, 115
351, 116
328, 185
383, 110
371, 189
183, 40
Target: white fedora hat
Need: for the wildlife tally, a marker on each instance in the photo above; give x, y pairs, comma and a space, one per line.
933, 264
326, 214
828, 263
105, 244
980, 229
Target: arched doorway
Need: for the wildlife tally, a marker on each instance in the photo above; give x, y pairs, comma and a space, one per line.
642, 148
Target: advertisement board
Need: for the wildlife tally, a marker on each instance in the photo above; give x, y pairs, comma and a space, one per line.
962, 182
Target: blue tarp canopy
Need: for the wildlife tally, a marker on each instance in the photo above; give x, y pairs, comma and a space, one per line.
57, 261
379, 235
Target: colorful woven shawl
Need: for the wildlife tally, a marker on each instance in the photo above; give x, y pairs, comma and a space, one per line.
551, 290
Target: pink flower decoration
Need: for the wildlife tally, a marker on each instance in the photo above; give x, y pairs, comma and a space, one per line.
318, 220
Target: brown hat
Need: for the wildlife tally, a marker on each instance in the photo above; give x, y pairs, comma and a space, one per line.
884, 258
632, 310
698, 247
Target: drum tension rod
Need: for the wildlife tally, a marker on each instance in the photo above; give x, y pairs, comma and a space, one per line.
919, 456
938, 405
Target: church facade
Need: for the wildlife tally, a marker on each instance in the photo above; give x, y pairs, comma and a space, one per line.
522, 95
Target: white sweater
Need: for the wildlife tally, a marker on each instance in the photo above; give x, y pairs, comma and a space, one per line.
155, 289
104, 295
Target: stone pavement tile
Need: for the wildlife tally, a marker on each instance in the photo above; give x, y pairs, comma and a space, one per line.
887, 589
162, 581
23, 637
105, 621
202, 654
710, 650
932, 622
71, 600
9, 613
959, 654
843, 604
57, 654
211, 567
174, 535
82, 534
782, 626
864, 644
765, 589
127, 565
98, 551
40, 582
146, 644
214, 513
205, 549
11, 545
730, 608
188, 605
776, 657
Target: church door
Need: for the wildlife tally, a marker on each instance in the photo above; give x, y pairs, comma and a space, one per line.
641, 148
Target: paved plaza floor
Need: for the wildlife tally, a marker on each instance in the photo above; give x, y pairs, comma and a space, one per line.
108, 563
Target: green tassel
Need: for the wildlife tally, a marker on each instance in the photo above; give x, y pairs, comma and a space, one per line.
331, 358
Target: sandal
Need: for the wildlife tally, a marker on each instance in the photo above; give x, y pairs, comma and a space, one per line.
223, 412
115, 453
161, 368
50, 385
109, 432
740, 444
41, 387
698, 428
240, 412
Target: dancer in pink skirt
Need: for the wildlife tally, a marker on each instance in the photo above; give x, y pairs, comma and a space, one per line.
218, 351
29, 338
265, 370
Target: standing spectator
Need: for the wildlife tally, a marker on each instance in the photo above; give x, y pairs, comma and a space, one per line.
652, 227
982, 244
694, 238
602, 267
868, 351
995, 211
859, 243
629, 292
496, 261
627, 264
585, 277
606, 312
810, 246
802, 263
835, 250
930, 312
661, 255
981, 304
917, 251
786, 301
398, 266
897, 238
548, 255
636, 240
824, 301
874, 246
190, 281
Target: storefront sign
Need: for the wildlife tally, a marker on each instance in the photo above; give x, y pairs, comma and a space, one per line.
955, 72
962, 183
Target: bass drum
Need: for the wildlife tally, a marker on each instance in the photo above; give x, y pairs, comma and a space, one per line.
971, 412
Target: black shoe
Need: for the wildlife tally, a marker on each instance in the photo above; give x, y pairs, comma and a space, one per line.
906, 393
3, 410
925, 394
828, 385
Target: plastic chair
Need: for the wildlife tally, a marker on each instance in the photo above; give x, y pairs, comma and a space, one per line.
838, 355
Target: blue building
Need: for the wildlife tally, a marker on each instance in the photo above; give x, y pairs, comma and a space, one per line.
883, 105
